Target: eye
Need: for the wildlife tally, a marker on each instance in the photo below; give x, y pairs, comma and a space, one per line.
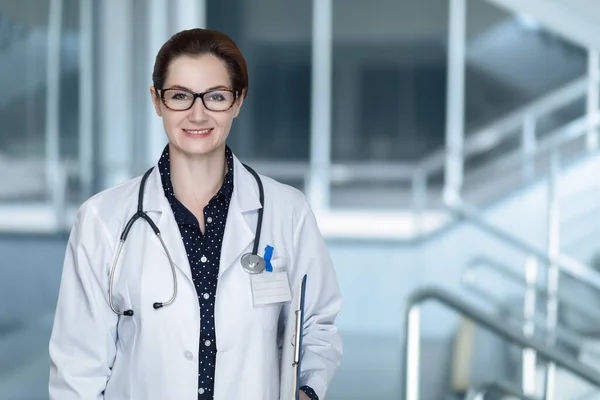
217, 96
180, 96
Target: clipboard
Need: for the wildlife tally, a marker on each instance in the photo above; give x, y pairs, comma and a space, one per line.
292, 346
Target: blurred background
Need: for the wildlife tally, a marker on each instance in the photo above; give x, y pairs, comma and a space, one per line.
449, 149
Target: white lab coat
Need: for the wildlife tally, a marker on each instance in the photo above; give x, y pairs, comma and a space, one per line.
153, 355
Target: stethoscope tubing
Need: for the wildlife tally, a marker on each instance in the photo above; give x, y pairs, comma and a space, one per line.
143, 215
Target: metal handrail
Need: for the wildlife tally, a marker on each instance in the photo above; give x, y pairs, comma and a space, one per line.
489, 135
401, 171
565, 263
412, 339
339, 171
479, 392
558, 137
567, 336
467, 279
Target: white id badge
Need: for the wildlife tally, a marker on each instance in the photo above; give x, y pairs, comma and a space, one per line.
270, 287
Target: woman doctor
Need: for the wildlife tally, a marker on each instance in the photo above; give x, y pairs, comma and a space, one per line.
177, 316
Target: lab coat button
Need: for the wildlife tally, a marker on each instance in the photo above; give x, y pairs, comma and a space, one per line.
209, 220
189, 355
201, 391
207, 343
206, 296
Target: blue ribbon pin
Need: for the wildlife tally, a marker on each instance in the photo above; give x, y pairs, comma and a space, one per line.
268, 255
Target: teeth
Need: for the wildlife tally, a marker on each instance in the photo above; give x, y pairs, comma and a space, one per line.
203, 131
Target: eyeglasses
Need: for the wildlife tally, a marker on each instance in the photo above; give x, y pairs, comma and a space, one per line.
213, 100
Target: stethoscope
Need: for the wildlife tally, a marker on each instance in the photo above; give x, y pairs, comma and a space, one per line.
252, 263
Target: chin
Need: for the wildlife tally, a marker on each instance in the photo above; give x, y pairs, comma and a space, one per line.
198, 149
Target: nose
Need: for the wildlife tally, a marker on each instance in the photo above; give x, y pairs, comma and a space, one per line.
198, 111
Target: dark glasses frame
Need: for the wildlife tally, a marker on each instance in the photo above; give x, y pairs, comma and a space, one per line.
198, 95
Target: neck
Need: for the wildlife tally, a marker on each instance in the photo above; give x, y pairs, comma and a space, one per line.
197, 179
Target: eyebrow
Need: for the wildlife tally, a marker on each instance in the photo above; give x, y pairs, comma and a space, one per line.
207, 90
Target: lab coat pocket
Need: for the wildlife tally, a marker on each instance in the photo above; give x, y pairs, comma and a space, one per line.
268, 314
279, 264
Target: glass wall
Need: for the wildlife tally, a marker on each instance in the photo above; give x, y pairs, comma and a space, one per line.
388, 84
275, 38
389, 96
27, 132
389, 79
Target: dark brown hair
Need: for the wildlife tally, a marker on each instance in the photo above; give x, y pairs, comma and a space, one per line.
198, 42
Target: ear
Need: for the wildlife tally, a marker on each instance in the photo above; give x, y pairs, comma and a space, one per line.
155, 100
238, 105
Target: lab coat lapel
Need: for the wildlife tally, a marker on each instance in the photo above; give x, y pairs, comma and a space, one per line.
159, 209
244, 201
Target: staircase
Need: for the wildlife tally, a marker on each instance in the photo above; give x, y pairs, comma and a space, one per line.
498, 172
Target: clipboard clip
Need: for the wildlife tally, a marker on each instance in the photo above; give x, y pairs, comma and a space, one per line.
296, 338
294, 328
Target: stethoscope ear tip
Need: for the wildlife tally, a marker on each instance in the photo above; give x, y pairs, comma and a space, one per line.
128, 313
157, 305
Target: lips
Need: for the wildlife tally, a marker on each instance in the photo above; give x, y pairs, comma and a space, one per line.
198, 131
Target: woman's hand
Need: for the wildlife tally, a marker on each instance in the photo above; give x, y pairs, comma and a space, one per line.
304, 396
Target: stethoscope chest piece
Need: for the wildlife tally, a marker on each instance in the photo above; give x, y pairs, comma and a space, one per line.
253, 263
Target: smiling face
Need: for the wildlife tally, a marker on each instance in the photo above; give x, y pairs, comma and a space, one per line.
197, 131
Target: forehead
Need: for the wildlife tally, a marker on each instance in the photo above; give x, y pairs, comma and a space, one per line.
198, 73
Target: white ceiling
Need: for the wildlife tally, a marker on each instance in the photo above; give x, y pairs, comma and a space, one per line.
575, 20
